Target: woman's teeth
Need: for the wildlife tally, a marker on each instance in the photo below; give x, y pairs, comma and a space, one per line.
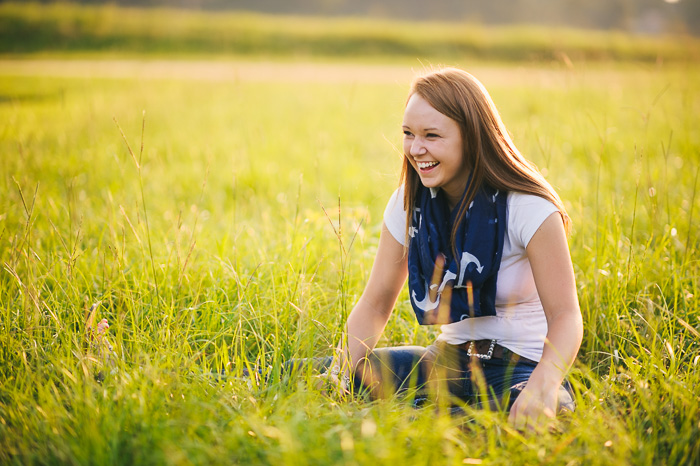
423, 165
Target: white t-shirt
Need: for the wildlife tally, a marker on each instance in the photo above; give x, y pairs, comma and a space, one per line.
519, 323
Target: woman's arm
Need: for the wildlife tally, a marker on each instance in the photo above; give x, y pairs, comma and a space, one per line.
549, 257
372, 311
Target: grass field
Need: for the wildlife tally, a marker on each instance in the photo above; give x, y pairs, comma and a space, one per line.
214, 247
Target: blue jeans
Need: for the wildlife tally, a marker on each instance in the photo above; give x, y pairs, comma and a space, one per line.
442, 370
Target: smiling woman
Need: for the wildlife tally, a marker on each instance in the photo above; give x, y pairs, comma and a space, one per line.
481, 237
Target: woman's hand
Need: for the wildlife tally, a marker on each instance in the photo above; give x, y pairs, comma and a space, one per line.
533, 408
333, 382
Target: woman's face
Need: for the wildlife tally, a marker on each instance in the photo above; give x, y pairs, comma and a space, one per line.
433, 144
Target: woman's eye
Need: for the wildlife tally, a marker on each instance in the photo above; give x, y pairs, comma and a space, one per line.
407, 133
432, 135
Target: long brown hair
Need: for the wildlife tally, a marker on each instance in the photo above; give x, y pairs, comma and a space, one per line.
490, 154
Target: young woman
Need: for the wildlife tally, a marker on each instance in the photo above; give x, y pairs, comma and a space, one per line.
481, 237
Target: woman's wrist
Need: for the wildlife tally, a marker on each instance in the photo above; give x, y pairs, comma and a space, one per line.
547, 375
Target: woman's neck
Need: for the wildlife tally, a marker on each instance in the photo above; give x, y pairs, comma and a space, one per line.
455, 190
453, 200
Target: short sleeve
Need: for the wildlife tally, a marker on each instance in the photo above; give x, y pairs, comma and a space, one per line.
526, 213
395, 217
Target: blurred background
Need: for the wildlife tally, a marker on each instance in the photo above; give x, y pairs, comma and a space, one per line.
640, 16
564, 31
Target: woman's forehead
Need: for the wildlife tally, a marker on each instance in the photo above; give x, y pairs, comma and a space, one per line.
419, 112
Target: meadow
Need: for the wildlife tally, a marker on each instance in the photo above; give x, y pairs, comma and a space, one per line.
227, 222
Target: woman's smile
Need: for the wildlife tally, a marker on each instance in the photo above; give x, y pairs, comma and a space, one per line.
426, 167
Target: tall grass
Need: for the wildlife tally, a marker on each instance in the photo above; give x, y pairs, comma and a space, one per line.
243, 269
65, 28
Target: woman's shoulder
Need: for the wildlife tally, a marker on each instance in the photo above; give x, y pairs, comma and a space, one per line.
397, 197
395, 216
526, 213
518, 199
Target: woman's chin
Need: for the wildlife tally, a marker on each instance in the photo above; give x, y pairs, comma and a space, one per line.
429, 183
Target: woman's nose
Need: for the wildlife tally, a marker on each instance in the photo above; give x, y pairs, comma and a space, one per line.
417, 147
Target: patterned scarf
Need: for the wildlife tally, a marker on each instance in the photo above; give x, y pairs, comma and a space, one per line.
479, 246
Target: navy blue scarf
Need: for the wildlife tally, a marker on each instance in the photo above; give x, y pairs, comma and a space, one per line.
479, 246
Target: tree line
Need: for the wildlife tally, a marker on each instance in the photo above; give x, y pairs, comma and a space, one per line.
636, 16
